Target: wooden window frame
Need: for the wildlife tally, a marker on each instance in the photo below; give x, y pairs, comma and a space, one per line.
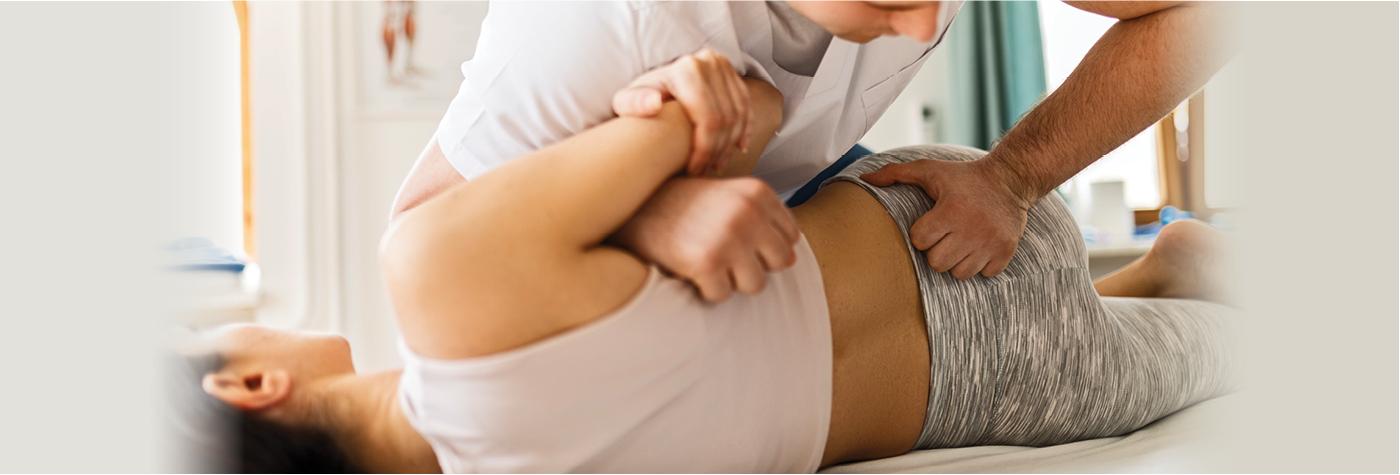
1181, 171
240, 10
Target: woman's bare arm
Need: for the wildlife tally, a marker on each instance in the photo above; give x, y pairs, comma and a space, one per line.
515, 256
432, 174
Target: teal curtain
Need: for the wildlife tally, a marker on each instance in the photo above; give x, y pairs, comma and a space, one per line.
996, 70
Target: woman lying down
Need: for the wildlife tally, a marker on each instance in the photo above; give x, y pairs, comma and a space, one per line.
532, 346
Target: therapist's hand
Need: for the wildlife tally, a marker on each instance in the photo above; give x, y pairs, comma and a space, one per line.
977, 218
713, 95
721, 234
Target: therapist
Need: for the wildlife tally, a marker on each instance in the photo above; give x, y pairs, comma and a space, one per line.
544, 72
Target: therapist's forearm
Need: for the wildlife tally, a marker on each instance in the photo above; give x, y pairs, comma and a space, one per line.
1134, 75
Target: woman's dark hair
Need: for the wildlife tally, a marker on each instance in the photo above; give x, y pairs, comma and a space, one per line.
217, 438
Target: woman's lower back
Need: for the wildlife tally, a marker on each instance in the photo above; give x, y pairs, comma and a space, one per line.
1032, 356
880, 360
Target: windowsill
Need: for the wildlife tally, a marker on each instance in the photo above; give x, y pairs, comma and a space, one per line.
1108, 257
1133, 248
234, 305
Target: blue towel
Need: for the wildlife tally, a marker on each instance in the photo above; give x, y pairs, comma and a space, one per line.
806, 191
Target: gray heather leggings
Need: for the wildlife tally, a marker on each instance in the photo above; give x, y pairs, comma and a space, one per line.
1034, 356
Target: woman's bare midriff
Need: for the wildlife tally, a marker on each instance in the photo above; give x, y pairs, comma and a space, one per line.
880, 358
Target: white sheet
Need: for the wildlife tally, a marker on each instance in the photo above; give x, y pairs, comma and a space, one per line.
1181, 442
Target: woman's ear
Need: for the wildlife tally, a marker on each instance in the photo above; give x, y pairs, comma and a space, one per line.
252, 391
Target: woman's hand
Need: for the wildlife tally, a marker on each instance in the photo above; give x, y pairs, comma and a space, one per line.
714, 97
722, 235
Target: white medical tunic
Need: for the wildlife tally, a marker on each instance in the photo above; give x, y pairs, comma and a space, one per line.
543, 72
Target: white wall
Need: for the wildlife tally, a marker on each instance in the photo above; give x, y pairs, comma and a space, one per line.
376, 148
209, 189
903, 123
1067, 34
327, 168
378, 155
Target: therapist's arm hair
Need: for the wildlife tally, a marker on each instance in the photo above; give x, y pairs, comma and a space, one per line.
516, 255
1122, 10
1154, 58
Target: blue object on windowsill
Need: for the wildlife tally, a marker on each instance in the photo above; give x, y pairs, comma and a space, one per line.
1166, 216
200, 254
1171, 213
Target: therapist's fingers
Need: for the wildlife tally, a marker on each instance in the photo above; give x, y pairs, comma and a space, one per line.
748, 274
995, 266
970, 266
887, 175
713, 96
927, 231
715, 68
690, 89
946, 254
714, 287
644, 96
740, 97
780, 216
774, 250
638, 101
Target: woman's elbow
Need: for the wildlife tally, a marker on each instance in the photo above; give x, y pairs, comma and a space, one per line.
766, 103
418, 249
403, 250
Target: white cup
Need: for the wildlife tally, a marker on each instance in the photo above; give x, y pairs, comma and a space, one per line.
1109, 213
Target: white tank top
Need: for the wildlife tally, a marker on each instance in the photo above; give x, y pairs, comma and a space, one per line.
668, 383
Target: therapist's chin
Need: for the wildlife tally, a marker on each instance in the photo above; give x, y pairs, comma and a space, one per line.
864, 37
860, 37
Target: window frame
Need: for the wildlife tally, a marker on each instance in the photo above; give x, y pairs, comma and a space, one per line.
240, 10
1181, 161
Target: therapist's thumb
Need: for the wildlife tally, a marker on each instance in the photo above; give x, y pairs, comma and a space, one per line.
637, 101
889, 175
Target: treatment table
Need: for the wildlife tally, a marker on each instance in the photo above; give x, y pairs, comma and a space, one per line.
1177, 443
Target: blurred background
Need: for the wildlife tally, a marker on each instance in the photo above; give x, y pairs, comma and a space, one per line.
257, 146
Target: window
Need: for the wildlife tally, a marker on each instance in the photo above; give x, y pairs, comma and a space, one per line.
211, 238
1068, 33
240, 10
211, 147
1220, 168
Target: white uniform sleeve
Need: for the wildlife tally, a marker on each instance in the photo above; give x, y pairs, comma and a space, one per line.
528, 86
